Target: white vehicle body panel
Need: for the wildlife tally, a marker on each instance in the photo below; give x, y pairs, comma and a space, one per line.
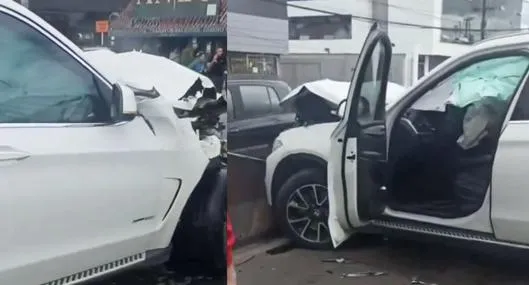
145, 71
335, 92
77, 196
509, 211
503, 213
314, 139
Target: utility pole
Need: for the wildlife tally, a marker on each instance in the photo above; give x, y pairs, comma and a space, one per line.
483, 18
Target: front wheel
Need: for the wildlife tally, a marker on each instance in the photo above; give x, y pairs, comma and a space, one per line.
302, 209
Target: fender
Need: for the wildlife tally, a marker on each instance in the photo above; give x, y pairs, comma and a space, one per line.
216, 202
200, 235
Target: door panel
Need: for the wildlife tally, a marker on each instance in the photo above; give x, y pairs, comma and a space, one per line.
71, 191
509, 211
252, 133
358, 144
254, 137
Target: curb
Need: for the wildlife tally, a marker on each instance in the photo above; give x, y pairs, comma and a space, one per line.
245, 253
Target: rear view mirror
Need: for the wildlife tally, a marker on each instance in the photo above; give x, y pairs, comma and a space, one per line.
124, 105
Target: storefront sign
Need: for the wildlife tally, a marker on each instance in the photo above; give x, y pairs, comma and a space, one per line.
175, 8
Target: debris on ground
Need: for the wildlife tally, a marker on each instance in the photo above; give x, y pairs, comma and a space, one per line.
244, 261
364, 274
337, 260
416, 281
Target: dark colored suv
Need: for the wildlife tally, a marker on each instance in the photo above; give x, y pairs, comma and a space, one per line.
255, 117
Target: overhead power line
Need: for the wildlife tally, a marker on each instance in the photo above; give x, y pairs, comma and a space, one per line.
370, 19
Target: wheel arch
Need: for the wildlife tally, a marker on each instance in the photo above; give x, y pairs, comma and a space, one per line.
292, 164
202, 221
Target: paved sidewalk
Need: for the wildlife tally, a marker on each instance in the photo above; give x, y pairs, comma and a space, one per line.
402, 262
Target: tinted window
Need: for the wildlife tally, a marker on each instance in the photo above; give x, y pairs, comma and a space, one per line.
274, 99
319, 28
229, 103
255, 100
41, 83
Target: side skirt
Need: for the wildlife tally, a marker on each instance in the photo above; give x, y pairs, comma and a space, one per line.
413, 230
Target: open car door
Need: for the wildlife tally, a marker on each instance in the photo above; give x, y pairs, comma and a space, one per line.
359, 143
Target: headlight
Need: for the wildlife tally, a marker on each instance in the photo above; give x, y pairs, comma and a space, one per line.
277, 144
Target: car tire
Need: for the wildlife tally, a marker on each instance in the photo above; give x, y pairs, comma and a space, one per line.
287, 209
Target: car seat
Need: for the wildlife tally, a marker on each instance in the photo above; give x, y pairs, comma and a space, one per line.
481, 129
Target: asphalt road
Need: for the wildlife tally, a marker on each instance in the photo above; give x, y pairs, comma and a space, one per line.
399, 262
159, 276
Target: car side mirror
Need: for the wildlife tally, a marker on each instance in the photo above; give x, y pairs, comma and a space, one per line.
124, 107
341, 108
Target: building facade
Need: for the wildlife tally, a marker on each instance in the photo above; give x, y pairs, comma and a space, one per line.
170, 27
76, 18
424, 33
258, 35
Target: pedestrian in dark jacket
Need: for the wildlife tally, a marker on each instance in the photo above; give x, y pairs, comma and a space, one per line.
216, 68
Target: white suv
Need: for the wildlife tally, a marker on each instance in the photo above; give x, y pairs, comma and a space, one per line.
296, 168
94, 179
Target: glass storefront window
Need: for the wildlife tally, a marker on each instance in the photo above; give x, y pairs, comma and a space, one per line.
461, 20
319, 28
247, 63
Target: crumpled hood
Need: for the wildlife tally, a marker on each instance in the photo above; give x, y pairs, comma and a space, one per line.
318, 134
334, 92
322, 130
145, 71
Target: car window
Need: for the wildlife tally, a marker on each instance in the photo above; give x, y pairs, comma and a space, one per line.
497, 77
255, 100
370, 86
229, 103
41, 83
274, 100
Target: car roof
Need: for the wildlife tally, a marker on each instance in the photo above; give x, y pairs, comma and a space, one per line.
255, 81
502, 40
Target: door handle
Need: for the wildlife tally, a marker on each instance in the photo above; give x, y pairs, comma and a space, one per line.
351, 156
10, 154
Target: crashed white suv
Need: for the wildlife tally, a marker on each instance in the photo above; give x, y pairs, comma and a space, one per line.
296, 168
94, 176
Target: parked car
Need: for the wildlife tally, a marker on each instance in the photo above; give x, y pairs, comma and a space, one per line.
98, 174
447, 160
255, 117
296, 168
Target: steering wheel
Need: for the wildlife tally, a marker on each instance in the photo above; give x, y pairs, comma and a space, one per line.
408, 125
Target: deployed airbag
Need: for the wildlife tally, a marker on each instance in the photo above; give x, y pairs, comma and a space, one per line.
490, 78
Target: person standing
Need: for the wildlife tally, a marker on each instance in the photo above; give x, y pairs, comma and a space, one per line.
199, 64
187, 55
216, 68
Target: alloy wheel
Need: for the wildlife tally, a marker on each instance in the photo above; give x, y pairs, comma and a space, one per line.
308, 212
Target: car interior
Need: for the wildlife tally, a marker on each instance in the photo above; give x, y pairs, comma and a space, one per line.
442, 147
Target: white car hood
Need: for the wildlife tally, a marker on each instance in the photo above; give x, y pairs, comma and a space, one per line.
145, 72
334, 92
311, 132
